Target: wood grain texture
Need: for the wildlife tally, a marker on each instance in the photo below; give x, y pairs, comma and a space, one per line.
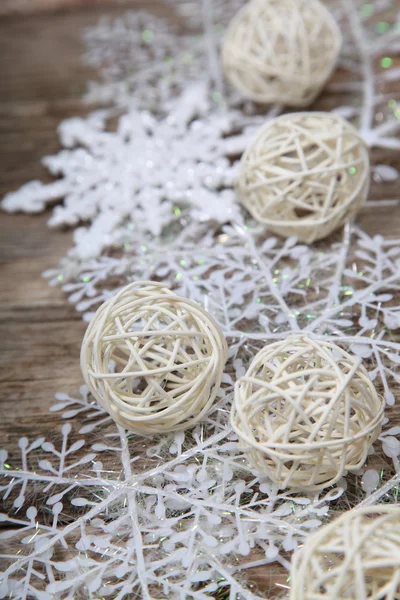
12, 7
42, 81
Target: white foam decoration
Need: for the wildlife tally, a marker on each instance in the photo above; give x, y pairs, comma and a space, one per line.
198, 501
221, 11
386, 173
120, 46
356, 556
171, 518
161, 529
160, 168
143, 50
206, 135
281, 50
154, 360
363, 48
305, 174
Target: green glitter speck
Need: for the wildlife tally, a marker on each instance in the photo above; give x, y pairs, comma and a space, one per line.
216, 96
382, 27
178, 276
367, 10
352, 170
147, 36
187, 58
386, 62
60, 277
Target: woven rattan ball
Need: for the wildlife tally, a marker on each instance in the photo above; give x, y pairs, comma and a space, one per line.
305, 413
152, 359
281, 50
355, 557
305, 175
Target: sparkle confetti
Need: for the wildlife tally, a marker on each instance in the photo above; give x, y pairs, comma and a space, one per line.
386, 62
367, 10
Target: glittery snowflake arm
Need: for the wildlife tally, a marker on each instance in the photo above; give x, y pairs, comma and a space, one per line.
364, 51
141, 523
33, 196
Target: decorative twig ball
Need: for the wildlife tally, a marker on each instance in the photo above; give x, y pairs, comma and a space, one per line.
152, 359
355, 557
305, 174
305, 413
281, 51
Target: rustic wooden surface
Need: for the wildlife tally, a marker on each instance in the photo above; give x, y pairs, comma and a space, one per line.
42, 81
15, 7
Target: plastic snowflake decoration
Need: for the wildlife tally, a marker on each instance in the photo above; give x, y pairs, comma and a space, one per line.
369, 41
142, 59
144, 175
180, 517
100, 512
184, 516
147, 526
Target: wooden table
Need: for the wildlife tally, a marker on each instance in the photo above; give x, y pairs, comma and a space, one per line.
42, 82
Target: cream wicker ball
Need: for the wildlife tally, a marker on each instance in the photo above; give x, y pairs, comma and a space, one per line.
152, 359
281, 51
305, 175
355, 557
305, 413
